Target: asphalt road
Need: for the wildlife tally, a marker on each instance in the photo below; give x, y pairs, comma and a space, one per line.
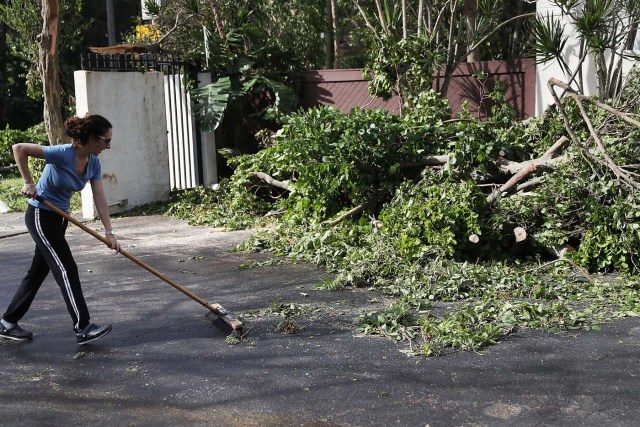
166, 363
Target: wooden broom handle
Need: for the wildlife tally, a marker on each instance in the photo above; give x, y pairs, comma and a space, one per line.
142, 264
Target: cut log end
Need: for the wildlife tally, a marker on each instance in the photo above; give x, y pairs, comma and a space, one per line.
520, 234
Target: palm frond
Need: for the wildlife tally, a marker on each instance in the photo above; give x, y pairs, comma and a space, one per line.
550, 39
595, 22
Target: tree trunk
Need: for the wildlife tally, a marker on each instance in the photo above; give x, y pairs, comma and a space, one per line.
218, 18
471, 13
404, 20
334, 34
381, 17
50, 72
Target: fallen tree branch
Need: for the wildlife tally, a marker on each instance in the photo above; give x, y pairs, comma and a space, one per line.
460, 119
529, 184
506, 166
345, 215
270, 180
582, 98
512, 182
8, 168
512, 168
275, 213
582, 271
619, 172
552, 152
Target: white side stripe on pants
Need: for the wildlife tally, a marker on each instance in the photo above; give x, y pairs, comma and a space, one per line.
60, 265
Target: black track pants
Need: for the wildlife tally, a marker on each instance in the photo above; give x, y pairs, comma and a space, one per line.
52, 254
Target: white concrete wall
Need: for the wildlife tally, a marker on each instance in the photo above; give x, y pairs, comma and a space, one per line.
135, 171
634, 59
546, 71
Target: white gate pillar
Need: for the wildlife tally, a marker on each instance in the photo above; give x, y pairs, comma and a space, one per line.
135, 170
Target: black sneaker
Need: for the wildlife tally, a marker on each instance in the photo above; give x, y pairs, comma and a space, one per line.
92, 332
16, 333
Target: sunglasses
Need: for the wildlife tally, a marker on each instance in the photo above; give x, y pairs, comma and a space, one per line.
107, 140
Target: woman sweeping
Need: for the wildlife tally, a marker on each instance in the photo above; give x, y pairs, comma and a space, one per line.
68, 168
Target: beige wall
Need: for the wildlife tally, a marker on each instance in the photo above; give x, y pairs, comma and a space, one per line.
135, 171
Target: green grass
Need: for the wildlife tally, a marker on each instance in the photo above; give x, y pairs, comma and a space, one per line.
10, 194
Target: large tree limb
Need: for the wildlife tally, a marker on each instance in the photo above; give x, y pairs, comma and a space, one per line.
547, 160
270, 180
505, 166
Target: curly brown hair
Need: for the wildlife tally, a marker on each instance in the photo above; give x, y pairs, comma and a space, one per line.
81, 128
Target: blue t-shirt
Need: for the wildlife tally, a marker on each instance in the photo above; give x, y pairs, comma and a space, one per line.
59, 179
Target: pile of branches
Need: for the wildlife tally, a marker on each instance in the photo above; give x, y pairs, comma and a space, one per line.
563, 185
505, 223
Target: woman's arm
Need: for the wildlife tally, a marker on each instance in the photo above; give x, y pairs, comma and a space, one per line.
102, 207
22, 152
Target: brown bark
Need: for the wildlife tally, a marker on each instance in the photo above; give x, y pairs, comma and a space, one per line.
529, 184
555, 148
50, 72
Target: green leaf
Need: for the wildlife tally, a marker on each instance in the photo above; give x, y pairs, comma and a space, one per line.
211, 103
